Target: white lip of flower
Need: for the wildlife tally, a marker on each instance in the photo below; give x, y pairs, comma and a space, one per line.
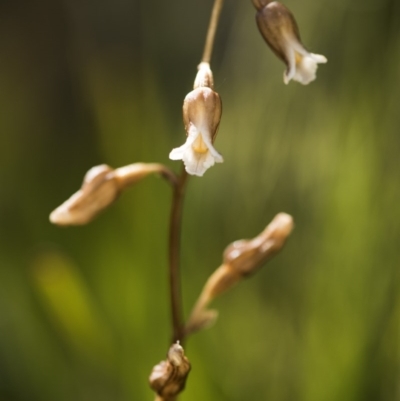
197, 153
302, 65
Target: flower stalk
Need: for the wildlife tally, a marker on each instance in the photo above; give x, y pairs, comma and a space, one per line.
212, 29
174, 257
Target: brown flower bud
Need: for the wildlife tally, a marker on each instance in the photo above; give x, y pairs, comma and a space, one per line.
279, 29
241, 259
168, 378
100, 188
247, 256
202, 110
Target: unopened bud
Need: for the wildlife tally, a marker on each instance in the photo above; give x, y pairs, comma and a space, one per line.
279, 29
202, 110
241, 259
247, 256
168, 378
100, 188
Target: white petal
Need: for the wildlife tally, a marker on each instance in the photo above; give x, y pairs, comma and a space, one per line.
303, 71
197, 163
306, 69
177, 153
319, 58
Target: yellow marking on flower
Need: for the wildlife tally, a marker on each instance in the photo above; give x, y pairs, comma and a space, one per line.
199, 146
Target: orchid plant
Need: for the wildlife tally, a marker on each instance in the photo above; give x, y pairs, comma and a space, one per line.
202, 111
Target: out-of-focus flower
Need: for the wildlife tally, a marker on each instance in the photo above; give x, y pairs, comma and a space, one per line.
246, 256
279, 29
202, 110
241, 259
100, 188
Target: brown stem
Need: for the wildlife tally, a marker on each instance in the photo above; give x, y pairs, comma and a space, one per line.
212, 28
174, 257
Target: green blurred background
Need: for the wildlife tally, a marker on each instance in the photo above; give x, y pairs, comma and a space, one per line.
83, 311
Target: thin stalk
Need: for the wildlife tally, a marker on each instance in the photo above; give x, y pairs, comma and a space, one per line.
174, 257
177, 201
212, 28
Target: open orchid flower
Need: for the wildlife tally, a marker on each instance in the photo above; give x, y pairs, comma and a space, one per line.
202, 109
279, 29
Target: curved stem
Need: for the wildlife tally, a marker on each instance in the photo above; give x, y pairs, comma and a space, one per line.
174, 257
212, 28
131, 173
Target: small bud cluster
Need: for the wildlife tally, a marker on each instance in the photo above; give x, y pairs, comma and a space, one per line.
168, 378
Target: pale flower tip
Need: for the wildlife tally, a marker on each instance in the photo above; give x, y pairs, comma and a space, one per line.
176, 154
59, 217
65, 215
319, 58
282, 224
286, 78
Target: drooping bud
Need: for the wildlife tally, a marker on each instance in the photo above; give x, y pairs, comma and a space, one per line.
247, 256
241, 259
100, 188
168, 378
202, 110
279, 29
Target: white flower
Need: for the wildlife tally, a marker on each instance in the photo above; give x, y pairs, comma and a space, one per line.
279, 29
197, 153
202, 111
302, 65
